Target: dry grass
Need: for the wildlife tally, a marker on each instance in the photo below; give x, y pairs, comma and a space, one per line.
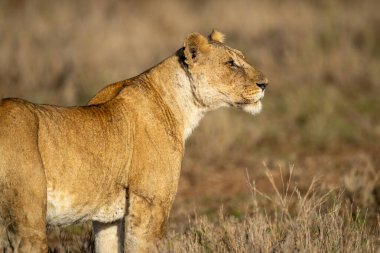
321, 111
310, 222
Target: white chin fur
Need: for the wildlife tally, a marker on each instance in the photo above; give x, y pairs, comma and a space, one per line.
253, 108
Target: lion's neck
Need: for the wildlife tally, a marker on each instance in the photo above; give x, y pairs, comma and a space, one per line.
174, 86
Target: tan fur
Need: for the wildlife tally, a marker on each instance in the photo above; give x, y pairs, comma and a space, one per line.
217, 36
119, 157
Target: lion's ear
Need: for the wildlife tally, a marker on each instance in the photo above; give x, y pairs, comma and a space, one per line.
195, 45
217, 36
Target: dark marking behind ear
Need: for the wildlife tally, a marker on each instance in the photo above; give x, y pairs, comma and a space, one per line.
182, 61
195, 44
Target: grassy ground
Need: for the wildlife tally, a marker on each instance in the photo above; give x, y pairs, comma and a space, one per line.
295, 222
321, 113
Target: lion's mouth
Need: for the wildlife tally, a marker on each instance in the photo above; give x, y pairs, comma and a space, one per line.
258, 100
252, 101
251, 105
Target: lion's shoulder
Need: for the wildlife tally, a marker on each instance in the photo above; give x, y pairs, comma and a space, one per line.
107, 93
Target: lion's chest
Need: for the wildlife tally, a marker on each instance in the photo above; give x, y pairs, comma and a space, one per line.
64, 208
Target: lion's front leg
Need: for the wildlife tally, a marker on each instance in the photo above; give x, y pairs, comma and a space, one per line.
145, 223
109, 237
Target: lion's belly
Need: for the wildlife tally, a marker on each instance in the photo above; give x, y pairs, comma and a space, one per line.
65, 209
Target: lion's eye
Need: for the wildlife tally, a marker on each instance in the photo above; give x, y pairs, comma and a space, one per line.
232, 64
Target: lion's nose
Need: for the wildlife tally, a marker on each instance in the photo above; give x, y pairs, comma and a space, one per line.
262, 84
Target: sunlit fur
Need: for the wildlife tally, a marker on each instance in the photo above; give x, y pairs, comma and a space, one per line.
217, 36
119, 157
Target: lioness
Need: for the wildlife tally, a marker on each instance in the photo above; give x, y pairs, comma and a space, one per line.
119, 158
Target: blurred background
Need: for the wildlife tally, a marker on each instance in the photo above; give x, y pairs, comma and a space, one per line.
321, 111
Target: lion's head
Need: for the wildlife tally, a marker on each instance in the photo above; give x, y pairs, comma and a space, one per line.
221, 75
